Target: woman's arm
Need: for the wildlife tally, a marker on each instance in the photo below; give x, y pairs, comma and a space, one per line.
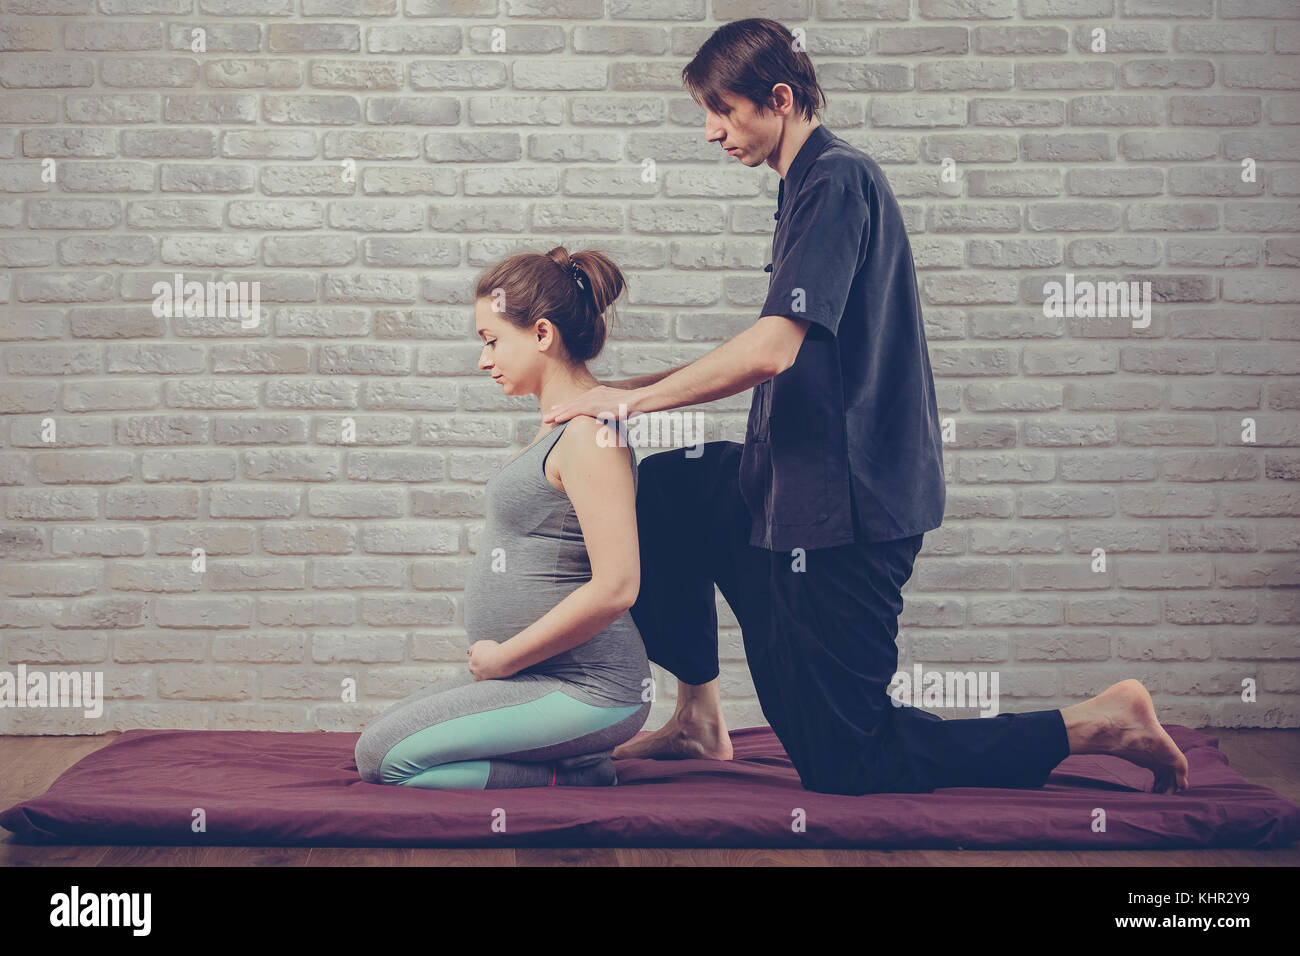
597, 477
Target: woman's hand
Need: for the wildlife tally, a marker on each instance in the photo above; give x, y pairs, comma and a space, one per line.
488, 661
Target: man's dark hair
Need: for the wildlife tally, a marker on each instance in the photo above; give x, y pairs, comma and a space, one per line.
748, 58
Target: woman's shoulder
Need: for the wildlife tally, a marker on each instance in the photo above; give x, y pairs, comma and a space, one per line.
591, 433
588, 441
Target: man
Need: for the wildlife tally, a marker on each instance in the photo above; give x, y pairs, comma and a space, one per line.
810, 528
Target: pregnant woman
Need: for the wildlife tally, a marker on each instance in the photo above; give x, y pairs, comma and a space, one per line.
557, 672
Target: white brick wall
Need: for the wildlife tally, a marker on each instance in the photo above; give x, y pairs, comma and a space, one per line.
480, 128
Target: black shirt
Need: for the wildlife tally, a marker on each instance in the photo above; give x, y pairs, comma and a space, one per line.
844, 446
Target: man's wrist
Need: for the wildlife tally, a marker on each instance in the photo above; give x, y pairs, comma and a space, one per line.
635, 400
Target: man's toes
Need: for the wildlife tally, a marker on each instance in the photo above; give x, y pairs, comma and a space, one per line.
1164, 782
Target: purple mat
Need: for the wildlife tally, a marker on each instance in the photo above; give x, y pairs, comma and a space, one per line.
264, 788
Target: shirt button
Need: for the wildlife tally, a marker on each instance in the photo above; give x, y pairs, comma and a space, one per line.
776, 215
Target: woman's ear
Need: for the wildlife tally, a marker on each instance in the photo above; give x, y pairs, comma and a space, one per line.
545, 332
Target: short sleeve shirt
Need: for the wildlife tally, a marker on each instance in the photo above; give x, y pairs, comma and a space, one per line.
845, 445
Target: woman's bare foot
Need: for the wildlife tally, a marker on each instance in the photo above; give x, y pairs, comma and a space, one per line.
696, 729
1121, 721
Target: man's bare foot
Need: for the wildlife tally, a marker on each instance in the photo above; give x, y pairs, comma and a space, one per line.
696, 728
1121, 721
681, 740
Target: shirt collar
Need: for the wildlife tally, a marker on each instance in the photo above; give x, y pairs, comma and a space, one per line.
812, 147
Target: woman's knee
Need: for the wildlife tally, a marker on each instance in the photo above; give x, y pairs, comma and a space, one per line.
376, 764
374, 756
368, 755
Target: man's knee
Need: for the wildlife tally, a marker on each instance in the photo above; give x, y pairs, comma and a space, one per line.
852, 764
680, 467
840, 776
854, 781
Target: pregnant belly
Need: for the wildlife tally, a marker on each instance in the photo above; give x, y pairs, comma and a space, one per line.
498, 611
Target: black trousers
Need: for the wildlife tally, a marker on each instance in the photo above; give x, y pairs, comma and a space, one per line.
820, 642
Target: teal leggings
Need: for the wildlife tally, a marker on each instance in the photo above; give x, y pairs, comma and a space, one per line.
524, 731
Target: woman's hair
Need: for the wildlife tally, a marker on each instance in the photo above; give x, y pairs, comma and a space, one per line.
530, 286
748, 58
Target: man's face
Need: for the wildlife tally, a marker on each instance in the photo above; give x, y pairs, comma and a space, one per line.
752, 137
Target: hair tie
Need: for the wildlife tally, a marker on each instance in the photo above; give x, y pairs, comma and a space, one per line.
578, 276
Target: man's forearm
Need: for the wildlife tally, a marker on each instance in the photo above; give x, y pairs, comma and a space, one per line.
735, 365
641, 381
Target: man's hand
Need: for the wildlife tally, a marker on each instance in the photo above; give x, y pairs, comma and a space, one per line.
601, 403
487, 661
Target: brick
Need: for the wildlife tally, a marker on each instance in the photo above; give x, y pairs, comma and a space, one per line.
331, 462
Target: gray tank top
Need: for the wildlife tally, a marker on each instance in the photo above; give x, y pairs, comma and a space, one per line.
532, 555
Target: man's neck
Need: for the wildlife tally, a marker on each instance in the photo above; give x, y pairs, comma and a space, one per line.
792, 139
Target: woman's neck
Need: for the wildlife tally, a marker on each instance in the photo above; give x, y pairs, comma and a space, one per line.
566, 386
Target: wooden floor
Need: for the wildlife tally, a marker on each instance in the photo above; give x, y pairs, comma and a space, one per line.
30, 765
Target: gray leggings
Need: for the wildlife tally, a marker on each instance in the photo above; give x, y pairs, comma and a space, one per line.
527, 730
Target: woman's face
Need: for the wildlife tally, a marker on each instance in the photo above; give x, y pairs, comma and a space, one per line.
514, 357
